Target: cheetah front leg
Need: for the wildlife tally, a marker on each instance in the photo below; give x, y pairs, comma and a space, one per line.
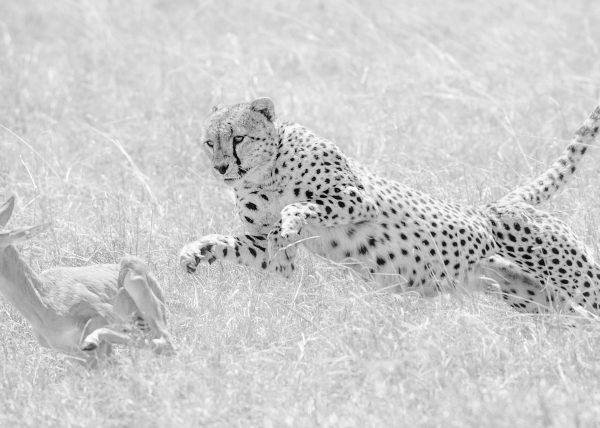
344, 207
247, 250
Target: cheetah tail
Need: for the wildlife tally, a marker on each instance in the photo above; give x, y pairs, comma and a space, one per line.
546, 185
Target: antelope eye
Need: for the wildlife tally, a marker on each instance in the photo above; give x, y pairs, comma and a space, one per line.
209, 143
238, 139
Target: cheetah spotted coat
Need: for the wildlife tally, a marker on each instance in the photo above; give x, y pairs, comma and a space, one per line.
293, 187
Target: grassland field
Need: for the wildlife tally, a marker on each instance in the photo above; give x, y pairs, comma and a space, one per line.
101, 112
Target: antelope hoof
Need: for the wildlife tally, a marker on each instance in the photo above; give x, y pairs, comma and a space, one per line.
88, 346
162, 346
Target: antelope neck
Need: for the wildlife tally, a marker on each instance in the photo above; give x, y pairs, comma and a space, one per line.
20, 285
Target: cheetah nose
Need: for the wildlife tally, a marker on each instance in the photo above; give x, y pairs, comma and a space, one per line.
221, 168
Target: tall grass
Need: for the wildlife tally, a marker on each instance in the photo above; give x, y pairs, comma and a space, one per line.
101, 109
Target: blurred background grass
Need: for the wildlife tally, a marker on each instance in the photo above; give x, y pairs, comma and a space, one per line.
101, 112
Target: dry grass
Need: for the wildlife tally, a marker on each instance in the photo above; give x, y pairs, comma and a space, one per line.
100, 116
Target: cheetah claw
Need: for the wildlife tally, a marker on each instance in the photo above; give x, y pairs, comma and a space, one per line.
291, 228
191, 256
289, 233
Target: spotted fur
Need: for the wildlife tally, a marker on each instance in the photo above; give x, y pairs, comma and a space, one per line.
293, 186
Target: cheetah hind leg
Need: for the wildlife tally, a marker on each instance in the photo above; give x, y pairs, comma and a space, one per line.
517, 288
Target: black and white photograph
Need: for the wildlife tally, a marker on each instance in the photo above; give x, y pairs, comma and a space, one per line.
287, 213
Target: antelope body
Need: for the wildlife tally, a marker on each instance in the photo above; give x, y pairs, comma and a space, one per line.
82, 311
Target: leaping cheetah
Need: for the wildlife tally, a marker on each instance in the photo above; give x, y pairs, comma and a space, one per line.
292, 185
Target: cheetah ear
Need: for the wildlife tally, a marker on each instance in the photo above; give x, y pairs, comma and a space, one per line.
216, 107
264, 106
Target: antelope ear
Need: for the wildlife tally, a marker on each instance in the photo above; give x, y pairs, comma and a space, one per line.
23, 234
265, 107
6, 211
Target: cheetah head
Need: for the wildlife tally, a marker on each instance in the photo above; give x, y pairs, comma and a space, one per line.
241, 140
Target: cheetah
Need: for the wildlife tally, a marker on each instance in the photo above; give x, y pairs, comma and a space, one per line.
294, 188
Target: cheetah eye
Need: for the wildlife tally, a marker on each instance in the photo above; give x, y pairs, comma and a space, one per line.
238, 139
209, 143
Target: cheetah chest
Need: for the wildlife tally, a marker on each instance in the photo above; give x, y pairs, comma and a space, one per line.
259, 211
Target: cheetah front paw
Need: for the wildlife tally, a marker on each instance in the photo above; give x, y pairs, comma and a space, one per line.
291, 228
295, 216
194, 253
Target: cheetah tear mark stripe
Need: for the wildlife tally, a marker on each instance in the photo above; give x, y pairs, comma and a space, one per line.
546, 185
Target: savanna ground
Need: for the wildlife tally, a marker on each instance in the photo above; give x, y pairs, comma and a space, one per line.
101, 109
